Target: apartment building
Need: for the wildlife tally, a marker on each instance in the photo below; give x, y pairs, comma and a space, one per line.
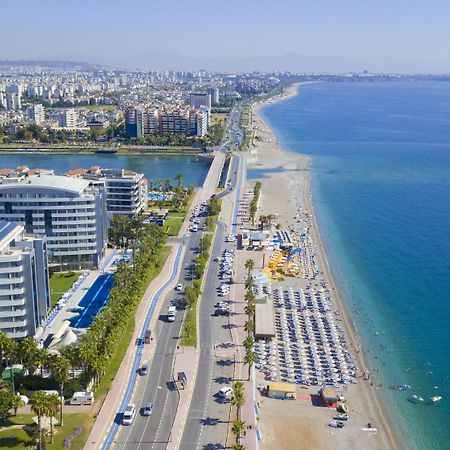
70, 212
36, 114
200, 99
126, 191
24, 285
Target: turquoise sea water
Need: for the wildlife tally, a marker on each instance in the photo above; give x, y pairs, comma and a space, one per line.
381, 189
153, 167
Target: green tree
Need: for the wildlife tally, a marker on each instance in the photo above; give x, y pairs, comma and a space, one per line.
249, 327
238, 447
238, 429
250, 309
249, 282
28, 351
249, 342
249, 359
41, 359
39, 403
179, 178
167, 186
6, 399
16, 403
249, 265
238, 397
53, 402
60, 370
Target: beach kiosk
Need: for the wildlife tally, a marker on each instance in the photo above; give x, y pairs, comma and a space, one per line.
328, 395
281, 390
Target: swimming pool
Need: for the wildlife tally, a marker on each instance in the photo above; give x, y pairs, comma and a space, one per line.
93, 301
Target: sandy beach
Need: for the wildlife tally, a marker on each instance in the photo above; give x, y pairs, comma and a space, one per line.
298, 424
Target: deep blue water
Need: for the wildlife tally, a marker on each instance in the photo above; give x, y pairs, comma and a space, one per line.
153, 166
381, 188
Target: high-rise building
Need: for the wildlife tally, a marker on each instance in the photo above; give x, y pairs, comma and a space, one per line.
126, 191
174, 121
36, 114
70, 212
24, 285
69, 119
198, 123
134, 122
150, 122
214, 92
13, 101
199, 99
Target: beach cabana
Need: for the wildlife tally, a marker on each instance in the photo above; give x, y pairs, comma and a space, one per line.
328, 395
281, 390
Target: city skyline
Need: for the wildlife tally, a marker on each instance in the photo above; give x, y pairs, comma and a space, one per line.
296, 36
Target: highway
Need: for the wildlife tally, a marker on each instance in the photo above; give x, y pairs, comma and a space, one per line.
155, 432
207, 420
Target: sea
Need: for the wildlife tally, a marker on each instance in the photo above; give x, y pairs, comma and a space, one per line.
381, 190
194, 169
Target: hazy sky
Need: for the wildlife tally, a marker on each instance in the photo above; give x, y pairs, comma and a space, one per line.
226, 28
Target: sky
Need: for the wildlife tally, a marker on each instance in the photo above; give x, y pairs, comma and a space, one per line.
412, 31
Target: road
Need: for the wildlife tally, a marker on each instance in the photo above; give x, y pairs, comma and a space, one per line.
157, 387
207, 420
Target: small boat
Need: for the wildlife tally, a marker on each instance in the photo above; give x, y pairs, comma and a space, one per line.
415, 398
436, 398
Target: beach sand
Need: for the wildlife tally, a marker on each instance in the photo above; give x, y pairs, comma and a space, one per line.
298, 424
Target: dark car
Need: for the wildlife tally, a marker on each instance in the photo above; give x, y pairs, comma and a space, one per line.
143, 370
147, 409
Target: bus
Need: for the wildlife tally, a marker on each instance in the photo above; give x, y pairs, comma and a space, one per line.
171, 313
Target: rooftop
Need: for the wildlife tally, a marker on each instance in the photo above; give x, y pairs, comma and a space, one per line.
58, 182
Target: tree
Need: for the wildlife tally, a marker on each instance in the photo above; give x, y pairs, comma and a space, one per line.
238, 429
5, 342
6, 399
39, 403
60, 370
249, 359
16, 403
250, 309
28, 351
41, 359
159, 183
167, 185
250, 296
249, 342
238, 397
71, 353
249, 265
249, 327
179, 178
52, 410
238, 447
249, 283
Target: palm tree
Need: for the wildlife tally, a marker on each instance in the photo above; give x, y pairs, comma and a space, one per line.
5, 342
167, 185
249, 265
159, 183
262, 220
238, 397
250, 309
249, 327
28, 351
52, 410
250, 296
249, 342
249, 283
250, 359
179, 178
39, 405
60, 370
16, 403
71, 353
238, 447
238, 429
41, 359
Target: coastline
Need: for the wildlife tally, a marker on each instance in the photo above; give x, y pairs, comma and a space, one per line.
269, 154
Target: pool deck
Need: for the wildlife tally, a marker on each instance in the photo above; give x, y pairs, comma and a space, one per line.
70, 309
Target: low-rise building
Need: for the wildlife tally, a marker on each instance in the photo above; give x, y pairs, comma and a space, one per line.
24, 285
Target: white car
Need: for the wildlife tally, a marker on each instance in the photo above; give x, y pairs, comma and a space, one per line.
129, 414
179, 287
226, 392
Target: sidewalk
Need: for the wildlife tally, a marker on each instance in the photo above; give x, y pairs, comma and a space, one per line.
112, 402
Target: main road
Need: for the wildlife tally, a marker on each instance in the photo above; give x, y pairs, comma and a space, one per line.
155, 431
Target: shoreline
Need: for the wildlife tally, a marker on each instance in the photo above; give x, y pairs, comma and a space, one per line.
270, 154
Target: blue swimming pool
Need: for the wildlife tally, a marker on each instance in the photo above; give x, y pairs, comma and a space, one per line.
93, 301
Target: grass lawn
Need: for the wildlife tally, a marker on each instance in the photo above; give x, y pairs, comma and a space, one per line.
60, 283
19, 438
190, 340
172, 225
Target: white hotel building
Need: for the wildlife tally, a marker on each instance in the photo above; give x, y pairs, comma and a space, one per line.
24, 286
70, 212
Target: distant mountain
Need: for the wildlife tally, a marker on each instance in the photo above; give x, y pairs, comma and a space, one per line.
291, 61
62, 64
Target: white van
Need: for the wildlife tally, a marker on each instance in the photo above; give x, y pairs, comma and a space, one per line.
194, 228
129, 414
82, 398
171, 313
